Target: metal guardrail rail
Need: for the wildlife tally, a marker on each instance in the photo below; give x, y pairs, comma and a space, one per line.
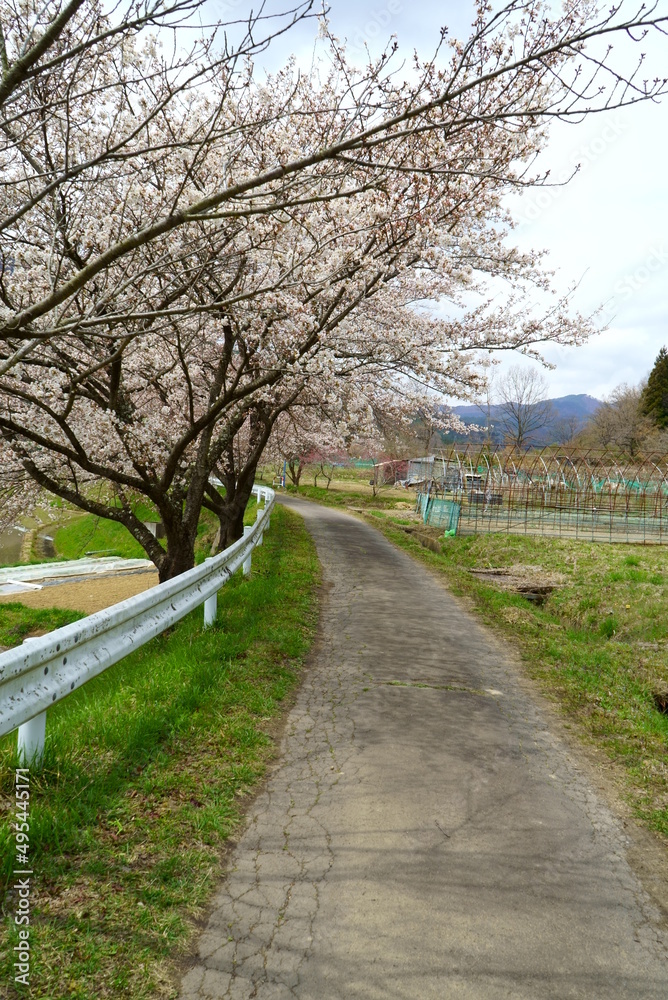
46, 669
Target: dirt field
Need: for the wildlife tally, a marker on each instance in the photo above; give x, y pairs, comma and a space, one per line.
87, 595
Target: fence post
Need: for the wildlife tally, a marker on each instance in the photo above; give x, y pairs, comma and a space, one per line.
31, 740
247, 561
264, 527
31, 735
210, 607
210, 610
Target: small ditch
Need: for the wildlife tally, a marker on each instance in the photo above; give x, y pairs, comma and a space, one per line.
660, 696
44, 546
536, 594
530, 582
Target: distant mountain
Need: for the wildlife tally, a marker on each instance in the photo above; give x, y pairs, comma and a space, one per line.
570, 414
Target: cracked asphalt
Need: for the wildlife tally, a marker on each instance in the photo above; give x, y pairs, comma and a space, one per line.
423, 834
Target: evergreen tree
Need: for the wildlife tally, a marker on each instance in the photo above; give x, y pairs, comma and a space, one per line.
654, 400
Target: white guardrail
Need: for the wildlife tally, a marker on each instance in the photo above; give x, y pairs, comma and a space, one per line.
46, 669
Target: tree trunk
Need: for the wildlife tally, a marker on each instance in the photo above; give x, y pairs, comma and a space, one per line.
180, 534
295, 469
231, 509
231, 525
238, 484
179, 557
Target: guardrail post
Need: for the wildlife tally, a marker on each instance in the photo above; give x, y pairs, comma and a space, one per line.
210, 607
247, 560
210, 610
264, 528
31, 734
31, 740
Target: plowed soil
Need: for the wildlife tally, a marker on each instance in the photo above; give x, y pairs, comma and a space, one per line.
89, 595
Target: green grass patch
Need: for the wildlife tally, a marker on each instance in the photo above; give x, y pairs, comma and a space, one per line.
597, 646
144, 778
349, 494
17, 622
88, 533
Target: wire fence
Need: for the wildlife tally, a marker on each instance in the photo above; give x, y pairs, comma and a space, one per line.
585, 495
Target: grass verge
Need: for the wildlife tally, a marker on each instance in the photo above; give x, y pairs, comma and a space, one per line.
76, 533
96, 534
350, 494
598, 646
145, 772
17, 622
88, 533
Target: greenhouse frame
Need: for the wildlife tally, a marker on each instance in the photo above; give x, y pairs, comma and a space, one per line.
591, 495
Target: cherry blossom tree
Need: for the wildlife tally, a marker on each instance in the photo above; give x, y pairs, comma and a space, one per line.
302, 437
89, 109
178, 287
321, 429
486, 100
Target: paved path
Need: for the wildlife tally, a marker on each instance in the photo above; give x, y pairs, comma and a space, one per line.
423, 835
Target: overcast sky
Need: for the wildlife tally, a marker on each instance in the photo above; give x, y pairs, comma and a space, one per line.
606, 230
